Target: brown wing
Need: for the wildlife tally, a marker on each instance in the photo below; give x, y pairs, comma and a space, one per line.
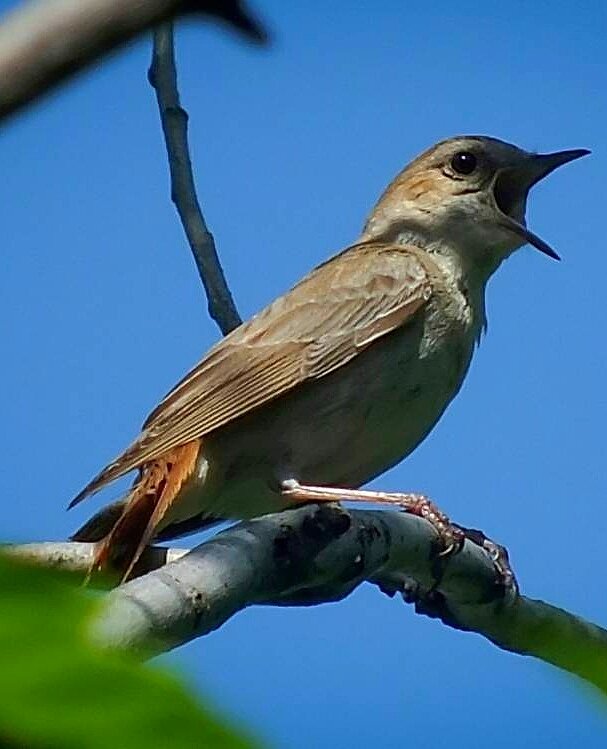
322, 323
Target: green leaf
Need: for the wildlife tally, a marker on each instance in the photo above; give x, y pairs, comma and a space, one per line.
58, 691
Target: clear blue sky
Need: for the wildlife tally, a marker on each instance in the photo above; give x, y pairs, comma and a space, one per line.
101, 312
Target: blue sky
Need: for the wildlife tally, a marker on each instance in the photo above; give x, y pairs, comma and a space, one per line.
101, 312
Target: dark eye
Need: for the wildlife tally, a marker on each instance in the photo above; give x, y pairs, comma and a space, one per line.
464, 162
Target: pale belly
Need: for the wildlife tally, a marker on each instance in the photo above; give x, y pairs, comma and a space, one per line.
340, 431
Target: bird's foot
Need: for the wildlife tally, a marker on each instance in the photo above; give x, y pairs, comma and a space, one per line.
505, 577
450, 536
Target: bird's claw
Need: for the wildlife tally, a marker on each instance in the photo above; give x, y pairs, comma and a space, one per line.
451, 537
499, 556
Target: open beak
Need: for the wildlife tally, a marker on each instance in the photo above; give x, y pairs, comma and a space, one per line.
512, 185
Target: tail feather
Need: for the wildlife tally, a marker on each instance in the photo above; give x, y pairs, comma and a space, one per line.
102, 522
136, 518
180, 464
115, 551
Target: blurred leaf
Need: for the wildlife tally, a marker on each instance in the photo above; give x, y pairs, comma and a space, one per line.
58, 692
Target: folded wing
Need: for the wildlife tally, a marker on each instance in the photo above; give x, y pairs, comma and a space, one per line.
338, 310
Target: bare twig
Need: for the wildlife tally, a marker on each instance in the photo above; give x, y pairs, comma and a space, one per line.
316, 554
163, 77
42, 42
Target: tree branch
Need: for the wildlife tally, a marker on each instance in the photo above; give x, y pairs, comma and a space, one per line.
43, 42
174, 119
317, 554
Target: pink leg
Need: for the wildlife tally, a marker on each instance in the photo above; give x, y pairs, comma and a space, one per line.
451, 536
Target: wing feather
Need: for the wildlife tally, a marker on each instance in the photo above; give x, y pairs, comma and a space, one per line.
339, 309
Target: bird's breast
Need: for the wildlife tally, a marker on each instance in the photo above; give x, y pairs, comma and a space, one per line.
406, 400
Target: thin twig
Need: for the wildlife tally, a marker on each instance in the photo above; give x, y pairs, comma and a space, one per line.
163, 77
43, 42
318, 554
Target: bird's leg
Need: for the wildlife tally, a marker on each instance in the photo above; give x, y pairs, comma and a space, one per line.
451, 536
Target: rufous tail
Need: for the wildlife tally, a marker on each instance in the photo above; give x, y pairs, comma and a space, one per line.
139, 515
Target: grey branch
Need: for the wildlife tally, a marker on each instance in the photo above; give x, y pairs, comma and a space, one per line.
43, 42
174, 119
317, 554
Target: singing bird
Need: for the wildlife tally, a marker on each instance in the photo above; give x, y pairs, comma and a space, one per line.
343, 376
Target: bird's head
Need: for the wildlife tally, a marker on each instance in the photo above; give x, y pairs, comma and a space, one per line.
468, 195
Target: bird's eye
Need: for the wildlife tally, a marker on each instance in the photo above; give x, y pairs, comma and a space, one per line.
464, 162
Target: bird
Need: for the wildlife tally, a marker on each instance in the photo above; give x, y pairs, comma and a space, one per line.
343, 376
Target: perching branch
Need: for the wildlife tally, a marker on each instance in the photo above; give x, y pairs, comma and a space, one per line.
318, 554
43, 42
174, 119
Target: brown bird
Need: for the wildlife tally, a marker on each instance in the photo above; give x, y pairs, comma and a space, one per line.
342, 377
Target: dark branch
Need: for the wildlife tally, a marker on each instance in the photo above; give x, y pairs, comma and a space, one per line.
43, 42
163, 77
